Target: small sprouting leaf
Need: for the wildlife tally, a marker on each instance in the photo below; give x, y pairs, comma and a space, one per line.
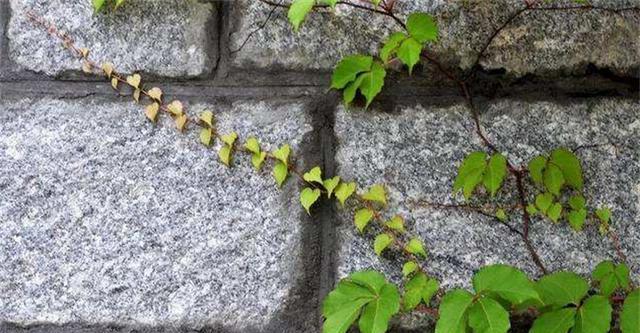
308, 197
554, 212
418, 289
487, 315
280, 172
314, 175
258, 158
381, 242
611, 277
225, 155
577, 202
155, 93
175, 108
409, 267
577, 218
396, 223
373, 82
630, 316
544, 201
229, 139
151, 111
298, 12
501, 214
206, 117
136, 95
569, 163
536, 168
181, 122
470, 173
376, 193
454, 311
553, 179
593, 316
114, 83
558, 321
494, 174
252, 145
344, 191
206, 134
107, 68
134, 80
562, 288
422, 27
507, 282
409, 53
362, 218
415, 247
391, 46
604, 214
348, 68
282, 154
330, 185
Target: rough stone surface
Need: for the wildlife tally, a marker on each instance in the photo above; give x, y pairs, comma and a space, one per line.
538, 42
416, 150
167, 38
107, 219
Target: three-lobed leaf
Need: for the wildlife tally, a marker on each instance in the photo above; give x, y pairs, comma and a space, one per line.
505, 281
298, 11
562, 288
419, 288
422, 27
630, 316
348, 68
611, 277
453, 312
488, 316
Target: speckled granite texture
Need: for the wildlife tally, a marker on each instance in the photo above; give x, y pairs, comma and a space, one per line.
167, 38
108, 219
539, 42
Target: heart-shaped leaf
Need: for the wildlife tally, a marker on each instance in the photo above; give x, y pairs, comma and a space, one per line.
206, 117
181, 122
308, 197
577, 218
151, 111
280, 172
376, 193
155, 93
362, 218
205, 136
134, 80
396, 223
544, 201
257, 159
331, 184
381, 242
175, 108
282, 154
229, 139
415, 247
314, 175
252, 145
344, 191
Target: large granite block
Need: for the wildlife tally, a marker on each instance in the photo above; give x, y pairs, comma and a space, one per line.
167, 38
415, 152
106, 219
539, 42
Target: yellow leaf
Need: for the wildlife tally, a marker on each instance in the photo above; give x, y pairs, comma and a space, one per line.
134, 80
85, 52
207, 118
86, 67
108, 69
230, 138
205, 136
225, 155
181, 122
136, 95
175, 108
114, 83
151, 111
155, 93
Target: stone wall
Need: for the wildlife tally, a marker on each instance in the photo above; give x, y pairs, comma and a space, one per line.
111, 224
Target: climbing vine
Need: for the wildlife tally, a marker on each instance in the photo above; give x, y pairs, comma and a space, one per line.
559, 301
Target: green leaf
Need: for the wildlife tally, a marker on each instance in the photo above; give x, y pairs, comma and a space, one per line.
344, 191
376, 2
409, 53
488, 316
314, 175
205, 136
370, 279
205, 117
282, 154
422, 27
252, 145
569, 163
349, 92
377, 313
298, 12
554, 212
280, 172
577, 218
611, 277
559, 321
413, 291
342, 306
396, 223
381, 242
630, 316
409, 267
225, 155
495, 173
536, 167
415, 247
454, 312
553, 179
362, 218
391, 46
501, 214
373, 82
258, 159
348, 68
531, 209
470, 173
604, 214
562, 288
544, 201
505, 281
98, 5
376, 193
594, 316
577, 202
230, 138
308, 197
330, 185
119, 3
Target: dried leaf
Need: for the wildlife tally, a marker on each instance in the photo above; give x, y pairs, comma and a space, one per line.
85, 52
181, 122
134, 80
151, 111
114, 83
107, 68
155, 93
136, 95
86, 67
175, 108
